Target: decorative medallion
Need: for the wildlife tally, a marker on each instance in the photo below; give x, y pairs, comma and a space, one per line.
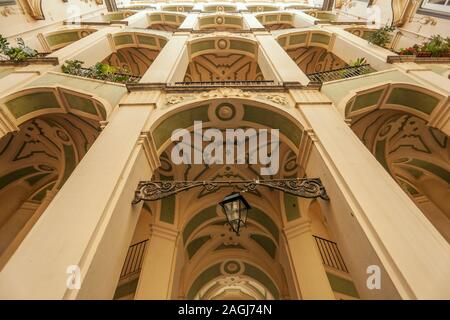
225, 111
231, 267
222, 44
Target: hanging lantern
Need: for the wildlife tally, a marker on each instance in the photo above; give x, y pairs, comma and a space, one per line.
236, 209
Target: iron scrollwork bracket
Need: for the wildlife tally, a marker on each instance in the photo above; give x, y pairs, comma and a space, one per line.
157, 190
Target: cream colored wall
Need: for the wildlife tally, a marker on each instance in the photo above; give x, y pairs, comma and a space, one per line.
416, 28
17, 23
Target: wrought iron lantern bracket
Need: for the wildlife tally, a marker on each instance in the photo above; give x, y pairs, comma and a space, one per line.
157, 190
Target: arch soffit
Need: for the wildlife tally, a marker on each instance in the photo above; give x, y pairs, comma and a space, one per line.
419, 101
150, 40
228, 43
289, 39
32, 102
206, 107
54, 40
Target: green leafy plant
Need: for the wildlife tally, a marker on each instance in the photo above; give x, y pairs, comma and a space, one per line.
381, 37
19, 53
438, 46
407, 51
358, 62
73, 67
99, 71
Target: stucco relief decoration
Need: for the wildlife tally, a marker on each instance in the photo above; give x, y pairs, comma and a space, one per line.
33, 8
275, 98
225, 92
401, 10
171, 100
10, 10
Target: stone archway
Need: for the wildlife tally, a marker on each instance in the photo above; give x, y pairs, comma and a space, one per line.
55, 129
396, 129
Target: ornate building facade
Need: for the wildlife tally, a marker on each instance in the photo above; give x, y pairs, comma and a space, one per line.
91, 93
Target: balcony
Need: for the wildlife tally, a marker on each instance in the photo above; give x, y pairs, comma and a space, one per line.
342, 73
331, 256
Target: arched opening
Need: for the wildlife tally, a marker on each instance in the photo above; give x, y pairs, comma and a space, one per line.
276, 20
393, 122
225, 7
212, 261
165, 21
220, 22
134, 52
55, 40
223, 59
55, 129
311, 51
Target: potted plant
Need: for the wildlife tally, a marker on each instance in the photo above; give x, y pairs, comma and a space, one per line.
437, 46
407, 51
16, 54
99, 71
381, 37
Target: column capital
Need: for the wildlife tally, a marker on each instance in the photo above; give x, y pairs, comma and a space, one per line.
159, 230
147, 142
299, 228
309, 97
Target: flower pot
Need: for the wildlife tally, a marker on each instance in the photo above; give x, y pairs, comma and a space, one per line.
423, 54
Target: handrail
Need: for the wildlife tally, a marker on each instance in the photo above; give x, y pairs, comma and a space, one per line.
341, 73
134, 259
331, 256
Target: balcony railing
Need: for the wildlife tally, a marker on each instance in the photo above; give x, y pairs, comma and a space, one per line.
134, 259
342, 73
330, 254
113, 77
255, 83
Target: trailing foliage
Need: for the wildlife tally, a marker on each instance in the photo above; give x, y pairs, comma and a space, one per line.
100, 71
17, 54
381, 37
437, 46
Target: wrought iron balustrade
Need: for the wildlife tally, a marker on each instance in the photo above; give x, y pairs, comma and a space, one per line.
229, 83
134, 259
342, 73
128, 78
330, 254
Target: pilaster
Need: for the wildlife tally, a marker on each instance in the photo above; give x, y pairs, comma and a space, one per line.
306, 262
156, 277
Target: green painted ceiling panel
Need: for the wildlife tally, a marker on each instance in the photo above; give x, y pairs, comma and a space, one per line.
197, 220
297, 38
59, 38
342, 285
367, 100
206, 276
150, 41
264, 220
320, 38
123, 40
168, 209
243, 45
263, 278
32, 102
413, 99
291, 207
183, 119
196, 244
273, 120
266, 243
81, 104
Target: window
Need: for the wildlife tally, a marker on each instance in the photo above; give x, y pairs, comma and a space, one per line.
6, 2
438, 7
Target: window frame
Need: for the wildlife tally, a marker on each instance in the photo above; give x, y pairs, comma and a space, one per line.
435, 10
